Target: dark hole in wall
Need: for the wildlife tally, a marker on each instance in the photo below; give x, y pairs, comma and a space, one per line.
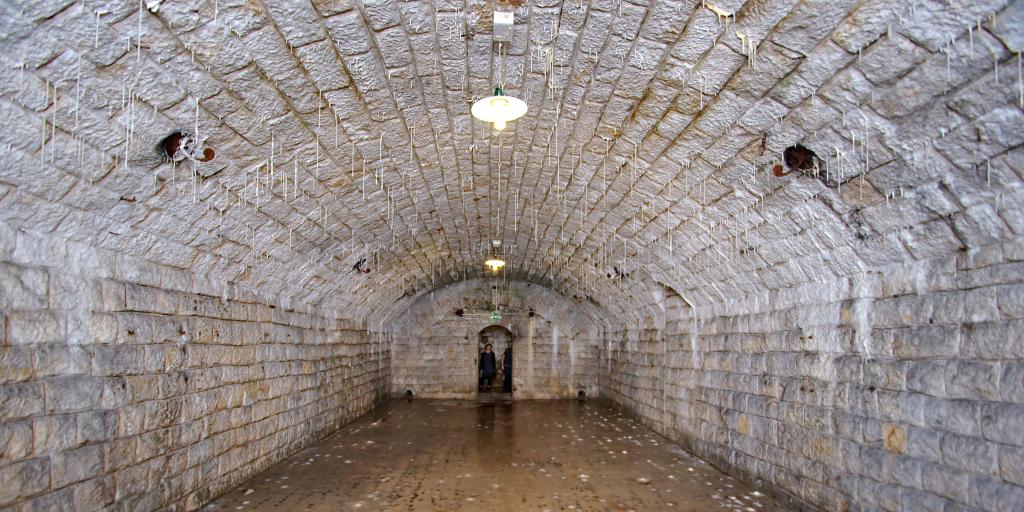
169, 146
361, 266
459, 312
799, 158
180, 145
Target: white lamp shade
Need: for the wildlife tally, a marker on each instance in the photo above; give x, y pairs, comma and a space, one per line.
499, 109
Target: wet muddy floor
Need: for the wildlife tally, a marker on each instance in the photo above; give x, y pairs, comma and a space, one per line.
500, 456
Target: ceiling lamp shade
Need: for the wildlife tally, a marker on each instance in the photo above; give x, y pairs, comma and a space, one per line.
495, 264
499, 109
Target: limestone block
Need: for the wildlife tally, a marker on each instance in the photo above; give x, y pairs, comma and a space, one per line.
1011, 464
150, 300
381, 14
925, 341
94, 493
21, 400
162, 413
72, 394
23, 287
1010, 299
76, 465
969, 454
131, 269
945, 481
1000, 423
142, 388
1012, 382
120, 453
111, 360
15, 364
39, 326
31, 249
270, 51
885, 374
114, 393
130, 480
927, 376
994, 340
96, 427
321, 61
990, 494
54, 433
973, 380
958, 416
23, 479
52, 360
341, 28
16, 439
989, 275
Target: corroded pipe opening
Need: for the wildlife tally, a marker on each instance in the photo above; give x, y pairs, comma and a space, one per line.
798, 157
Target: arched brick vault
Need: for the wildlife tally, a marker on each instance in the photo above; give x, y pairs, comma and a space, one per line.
646, 149
516, 296
637, 192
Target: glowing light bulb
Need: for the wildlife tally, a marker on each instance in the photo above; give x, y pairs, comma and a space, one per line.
495, 264
500, 124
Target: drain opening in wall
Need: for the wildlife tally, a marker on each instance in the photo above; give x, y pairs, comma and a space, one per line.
796, 158
181, 145
408, 395
581, 396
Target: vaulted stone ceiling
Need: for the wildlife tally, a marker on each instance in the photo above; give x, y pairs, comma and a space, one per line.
342, 132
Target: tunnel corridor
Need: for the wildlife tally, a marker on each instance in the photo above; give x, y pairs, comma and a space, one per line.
750, 255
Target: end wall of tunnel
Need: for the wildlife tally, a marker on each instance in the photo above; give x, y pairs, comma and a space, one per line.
435, 342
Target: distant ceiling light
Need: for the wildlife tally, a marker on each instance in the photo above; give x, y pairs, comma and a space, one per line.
495, 264
499, 109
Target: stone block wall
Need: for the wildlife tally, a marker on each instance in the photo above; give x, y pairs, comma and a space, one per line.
440, 360
897, 389
135, 386
436, 351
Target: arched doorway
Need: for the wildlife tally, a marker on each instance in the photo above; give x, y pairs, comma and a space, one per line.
500, 338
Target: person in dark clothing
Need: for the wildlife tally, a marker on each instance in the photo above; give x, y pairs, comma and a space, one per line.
488, 367
506, 368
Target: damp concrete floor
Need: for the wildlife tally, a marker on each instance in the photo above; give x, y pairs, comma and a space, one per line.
499, 456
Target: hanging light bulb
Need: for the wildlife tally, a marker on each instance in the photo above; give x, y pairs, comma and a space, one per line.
499, 109
494, 262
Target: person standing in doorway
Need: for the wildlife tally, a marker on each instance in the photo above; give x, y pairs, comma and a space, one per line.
506, 369
488, 367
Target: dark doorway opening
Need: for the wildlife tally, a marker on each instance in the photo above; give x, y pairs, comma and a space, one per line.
499, 385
